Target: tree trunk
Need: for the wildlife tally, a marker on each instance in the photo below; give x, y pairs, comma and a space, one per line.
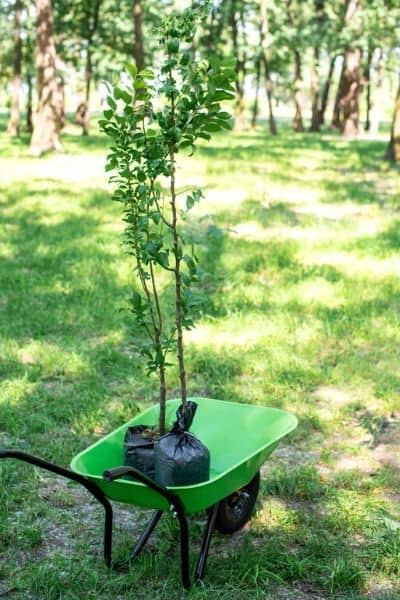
336, 117
367, 81
346, 110
378, 96
29, 125
48, 118
239, 69
265, 60
315, 110
13, 127
325, 91
138, 49
298, 94
255, 106
393, 149
350, 100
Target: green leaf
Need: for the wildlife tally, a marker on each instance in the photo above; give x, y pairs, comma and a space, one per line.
120, 94
132, 69
111, 102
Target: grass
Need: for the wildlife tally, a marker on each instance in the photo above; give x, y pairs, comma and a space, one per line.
300, 247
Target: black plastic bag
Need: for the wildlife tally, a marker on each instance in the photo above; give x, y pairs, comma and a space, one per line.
179, 457
139, 450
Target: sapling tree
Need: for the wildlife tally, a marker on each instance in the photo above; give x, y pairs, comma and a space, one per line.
152, 117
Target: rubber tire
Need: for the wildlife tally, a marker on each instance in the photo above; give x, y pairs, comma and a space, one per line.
235, 510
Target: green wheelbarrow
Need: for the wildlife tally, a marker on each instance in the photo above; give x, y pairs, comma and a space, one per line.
240, 438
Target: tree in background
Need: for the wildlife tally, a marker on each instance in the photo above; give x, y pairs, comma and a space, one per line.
393, 149
13, 126
48, 119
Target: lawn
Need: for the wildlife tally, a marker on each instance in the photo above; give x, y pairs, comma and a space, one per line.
299, 241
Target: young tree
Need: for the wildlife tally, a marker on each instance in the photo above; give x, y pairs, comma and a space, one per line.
151, 120
49, 115
13, 126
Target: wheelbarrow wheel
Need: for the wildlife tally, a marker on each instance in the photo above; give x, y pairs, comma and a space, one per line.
235, 510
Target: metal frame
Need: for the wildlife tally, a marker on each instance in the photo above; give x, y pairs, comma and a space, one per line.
174, 502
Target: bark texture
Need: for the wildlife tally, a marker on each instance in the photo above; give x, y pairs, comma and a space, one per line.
298, 94
352, 87
48, 119
13, 126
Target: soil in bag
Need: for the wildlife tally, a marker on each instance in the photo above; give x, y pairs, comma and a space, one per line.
180, 458
139, 449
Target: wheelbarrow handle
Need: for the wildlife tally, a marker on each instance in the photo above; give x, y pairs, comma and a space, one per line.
91, 487
118, 472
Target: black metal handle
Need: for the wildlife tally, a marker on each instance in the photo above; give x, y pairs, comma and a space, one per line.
118, 472
91, 487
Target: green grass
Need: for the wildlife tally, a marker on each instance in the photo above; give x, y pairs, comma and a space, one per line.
299, 240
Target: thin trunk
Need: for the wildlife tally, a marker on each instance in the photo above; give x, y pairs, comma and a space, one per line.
298, 94
82, 114
138, 49
378, 96
315, 110
29, 125
269, 89
178, 283
257, 91
393, 149
48, 119
325, 90
350, 100
239, 67
367, 81
13, 127
336, 117
179, 316
265, 61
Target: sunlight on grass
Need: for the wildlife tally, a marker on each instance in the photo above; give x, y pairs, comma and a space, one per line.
299, 249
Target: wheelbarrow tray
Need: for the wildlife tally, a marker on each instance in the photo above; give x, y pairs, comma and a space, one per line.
240, 437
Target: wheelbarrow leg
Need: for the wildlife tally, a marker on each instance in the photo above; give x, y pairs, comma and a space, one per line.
146, 534
124, 566
184, 542
205, 545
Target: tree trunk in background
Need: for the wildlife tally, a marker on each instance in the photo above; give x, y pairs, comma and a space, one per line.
29, 125
82, 113
265, 60
315, 110
336, 117
13, 126
48, 119
367, 82
298, 94
393, 149
255, 106
325, 90
350, 100
378, 96
138, 48
239, 104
